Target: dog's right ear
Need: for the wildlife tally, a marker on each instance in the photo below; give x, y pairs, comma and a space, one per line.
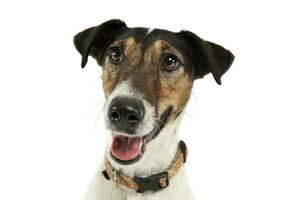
93, 41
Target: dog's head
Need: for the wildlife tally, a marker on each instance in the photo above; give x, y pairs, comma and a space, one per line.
147, 78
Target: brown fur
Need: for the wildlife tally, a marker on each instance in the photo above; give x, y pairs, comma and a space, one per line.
143, 69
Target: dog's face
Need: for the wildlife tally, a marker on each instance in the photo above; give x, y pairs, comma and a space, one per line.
147, 79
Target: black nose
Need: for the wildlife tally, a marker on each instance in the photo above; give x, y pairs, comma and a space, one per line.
126, 113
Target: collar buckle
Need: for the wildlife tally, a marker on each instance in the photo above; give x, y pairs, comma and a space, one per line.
154, 182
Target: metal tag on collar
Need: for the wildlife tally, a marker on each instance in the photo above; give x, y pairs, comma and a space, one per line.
152, 183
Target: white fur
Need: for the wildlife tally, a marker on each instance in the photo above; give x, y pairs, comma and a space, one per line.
157, 157
124, 89
149, 31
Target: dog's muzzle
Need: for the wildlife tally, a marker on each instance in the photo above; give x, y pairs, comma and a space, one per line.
133, 125
125, 114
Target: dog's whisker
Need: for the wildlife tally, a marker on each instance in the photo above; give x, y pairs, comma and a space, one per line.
186, 113
97, 119
197, 101
92, 82
97, 105
192, 119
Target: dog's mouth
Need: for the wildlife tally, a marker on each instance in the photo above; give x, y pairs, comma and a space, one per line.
126, 148
129, 149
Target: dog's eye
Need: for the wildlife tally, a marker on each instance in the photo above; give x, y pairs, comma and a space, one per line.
170, 63
115, 54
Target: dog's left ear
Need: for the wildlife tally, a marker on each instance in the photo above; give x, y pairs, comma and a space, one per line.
93, 41
207, 56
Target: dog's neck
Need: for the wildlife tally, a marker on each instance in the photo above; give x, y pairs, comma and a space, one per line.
158, 155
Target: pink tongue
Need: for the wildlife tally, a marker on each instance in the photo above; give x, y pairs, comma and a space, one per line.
126, 148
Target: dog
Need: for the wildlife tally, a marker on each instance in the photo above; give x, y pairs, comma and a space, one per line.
147, 77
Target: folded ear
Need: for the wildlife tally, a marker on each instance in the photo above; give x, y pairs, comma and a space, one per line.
207, 56
93, 41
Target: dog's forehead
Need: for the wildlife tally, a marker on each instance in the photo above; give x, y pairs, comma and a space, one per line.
146, 37
138, 33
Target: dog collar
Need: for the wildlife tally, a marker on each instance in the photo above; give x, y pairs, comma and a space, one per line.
154, 182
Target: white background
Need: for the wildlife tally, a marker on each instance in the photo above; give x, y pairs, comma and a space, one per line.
243, 137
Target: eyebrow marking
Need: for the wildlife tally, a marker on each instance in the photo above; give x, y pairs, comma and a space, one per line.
166, 47
127, 41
